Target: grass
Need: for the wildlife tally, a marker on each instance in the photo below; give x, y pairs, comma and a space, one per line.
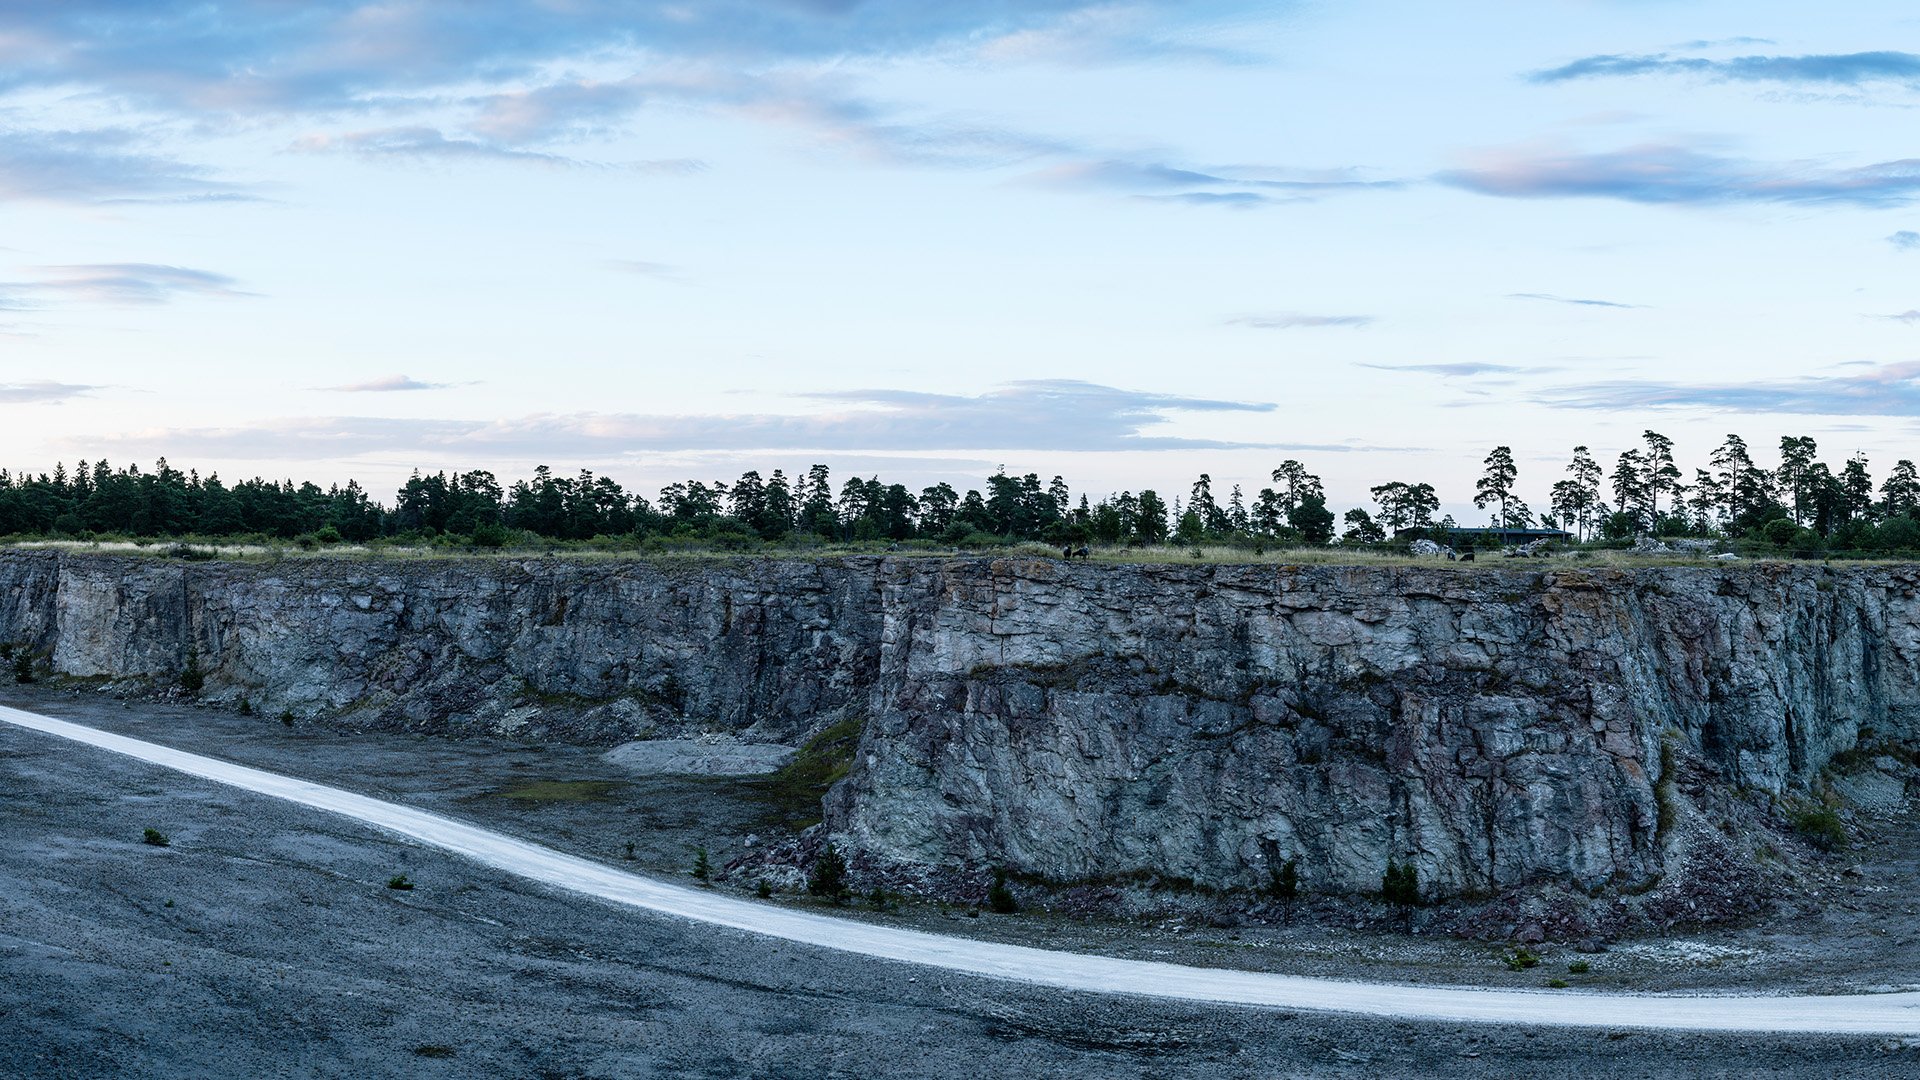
795, 789
1821, 827
561, 791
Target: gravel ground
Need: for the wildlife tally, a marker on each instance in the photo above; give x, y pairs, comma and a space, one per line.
264, 942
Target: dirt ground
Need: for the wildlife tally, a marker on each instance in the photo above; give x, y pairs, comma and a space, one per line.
263, 941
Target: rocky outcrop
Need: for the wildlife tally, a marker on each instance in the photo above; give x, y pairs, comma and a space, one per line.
1489, 726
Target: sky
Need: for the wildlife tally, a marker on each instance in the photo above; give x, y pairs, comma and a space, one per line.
1125, 242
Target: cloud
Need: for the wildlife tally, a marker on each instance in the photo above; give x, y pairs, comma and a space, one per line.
1234, 187
1060, 414
1570, 300
51, 393
99, 167
1463, 370
1847, 69
1905, 240
1909, 316
1288, 320
1883, 390
1669, 174
388, 384
118, 284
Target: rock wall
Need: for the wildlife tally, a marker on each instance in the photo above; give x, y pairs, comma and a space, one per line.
1492, 726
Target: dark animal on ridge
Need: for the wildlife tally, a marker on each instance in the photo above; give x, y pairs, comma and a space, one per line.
1072, 553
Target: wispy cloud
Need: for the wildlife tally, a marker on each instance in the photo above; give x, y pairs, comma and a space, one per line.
1884, 390
1570, 300
1290, 320
1663, 173
1909, 316
1843, 69
1905, 240
44, 392
1464, 370
388, 384
1240, 186
102, 166
116, 284
1063, 415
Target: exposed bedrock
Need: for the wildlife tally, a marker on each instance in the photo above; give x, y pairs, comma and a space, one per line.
1491, 726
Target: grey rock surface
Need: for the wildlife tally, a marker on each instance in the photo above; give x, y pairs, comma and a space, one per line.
1490, 726
698, 757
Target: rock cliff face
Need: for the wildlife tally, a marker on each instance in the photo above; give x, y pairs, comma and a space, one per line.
1490, 726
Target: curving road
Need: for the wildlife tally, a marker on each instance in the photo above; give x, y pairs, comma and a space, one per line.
1896, 1014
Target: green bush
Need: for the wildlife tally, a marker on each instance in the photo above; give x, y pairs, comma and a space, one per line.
400, 882
155, 837
1558, 984
1000, 898
191, 677
1579, 967
829, 877
763, 890
1521, 959
1821, 827
1283, 881
23, 667
702, 866
1400, 885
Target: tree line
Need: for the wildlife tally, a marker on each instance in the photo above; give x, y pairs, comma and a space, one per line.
1801, 502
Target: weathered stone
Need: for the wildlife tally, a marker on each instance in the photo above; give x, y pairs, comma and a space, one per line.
1489, 727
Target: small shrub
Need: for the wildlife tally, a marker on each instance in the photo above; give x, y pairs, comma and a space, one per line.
1283, 881
155, 837
1579, 967
1000, 898
1558, 984
1400, 885
763, 890
629, 851
191, 677
246, 707
1521, 959
286, 717
829, 877
328, 535
400, 882
702, 867
1821, 827
23, 667
878, 899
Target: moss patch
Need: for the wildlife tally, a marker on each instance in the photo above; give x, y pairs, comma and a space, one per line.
794, 792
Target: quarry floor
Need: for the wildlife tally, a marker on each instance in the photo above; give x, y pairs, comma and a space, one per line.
263, 941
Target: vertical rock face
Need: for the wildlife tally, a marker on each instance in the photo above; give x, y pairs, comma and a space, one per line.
1491, 726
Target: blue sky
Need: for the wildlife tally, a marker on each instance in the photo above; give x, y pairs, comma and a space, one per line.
1125, 242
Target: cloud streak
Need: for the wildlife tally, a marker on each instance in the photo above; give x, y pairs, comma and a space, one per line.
1570, 300
42, 392
102, 166
1905, 240
1837, 69
1291, 320
387, 385
117, 284
1662, 173
1059, 415
1884, 390
1463, 370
